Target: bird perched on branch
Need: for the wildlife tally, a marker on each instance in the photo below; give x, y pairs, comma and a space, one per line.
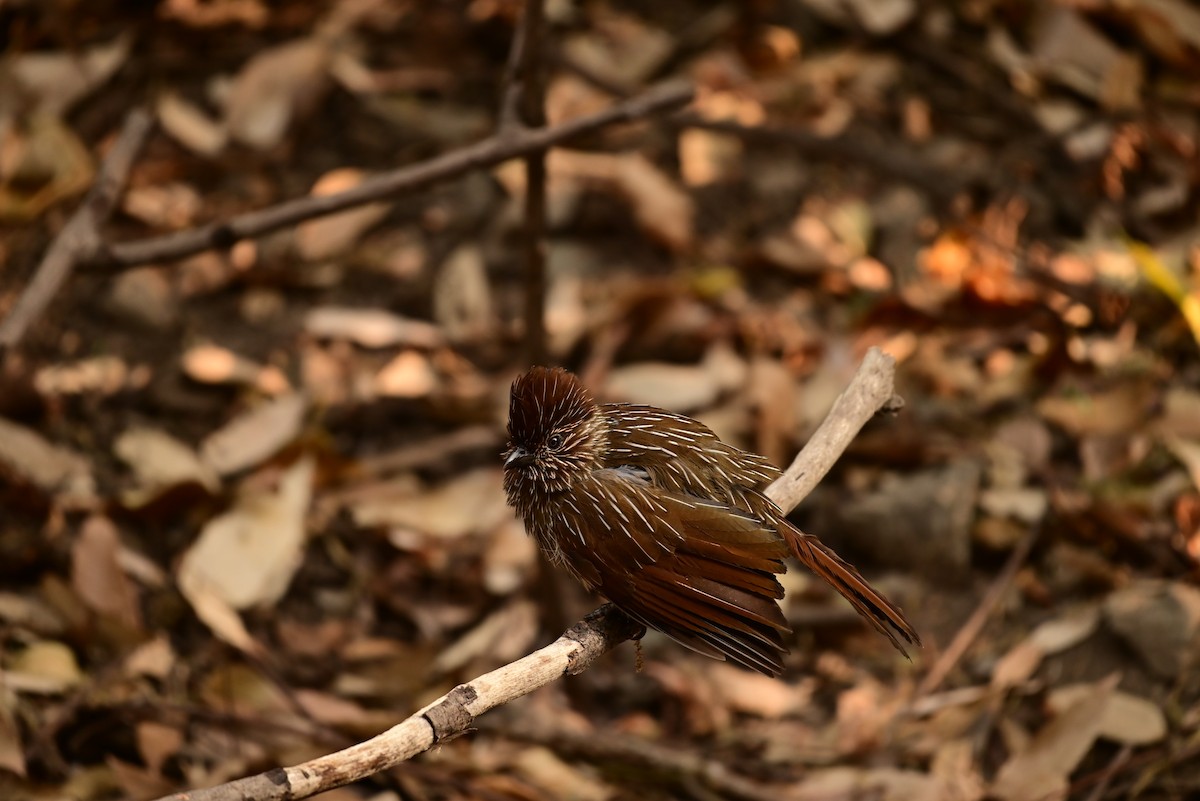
668, 522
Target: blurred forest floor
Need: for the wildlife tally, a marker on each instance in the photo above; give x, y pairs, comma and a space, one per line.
296, 440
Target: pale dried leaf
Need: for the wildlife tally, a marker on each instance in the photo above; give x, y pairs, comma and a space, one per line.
510, 559
43, 667
189, 125
409, 375
559, 779
680, 388
59, 79
661, 207
214, 612
273, 88
160, 461
1128, 719
1187, 451
708, 157
885, 784
1118, 410
212, 364
1026, 504
371, 328
51, 468
502, 635
101, 375
1018, 665
1042, 768
157, 743
248, 555
12, 751
327, 236
471, 503
1067, 630
96, 573
255, 435
626, 52
462, 296
30, 613
759, 695
155, 658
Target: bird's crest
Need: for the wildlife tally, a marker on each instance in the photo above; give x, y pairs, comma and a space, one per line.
547, 399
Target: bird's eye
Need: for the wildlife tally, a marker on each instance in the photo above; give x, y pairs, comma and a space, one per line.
555, 441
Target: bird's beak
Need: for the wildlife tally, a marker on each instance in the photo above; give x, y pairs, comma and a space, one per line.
519, 457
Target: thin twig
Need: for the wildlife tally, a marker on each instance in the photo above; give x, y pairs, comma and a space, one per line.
486, 153
525, 104
870, 390
975, 623
80, 237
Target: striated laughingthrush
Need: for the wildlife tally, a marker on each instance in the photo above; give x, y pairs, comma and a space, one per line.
653, 511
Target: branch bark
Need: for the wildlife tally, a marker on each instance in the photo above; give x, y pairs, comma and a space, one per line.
79, 239
486, 153
870, 391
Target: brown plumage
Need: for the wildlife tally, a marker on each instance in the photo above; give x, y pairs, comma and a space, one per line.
668, 522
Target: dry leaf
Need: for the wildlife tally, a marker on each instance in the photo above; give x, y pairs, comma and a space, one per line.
248, 555
409, 375
510, 559
273, 88
501, 636
216, 613
50, 468
12, 751
43, 667
101, 375
558, 779
462, 296
1128, 719
325, 237
1041, 769
680, 388
96, 573
755, 694
661, 207
157, 743
160, 462
1121, 409
58, 80
470, 503
371, 328
190, 126
256, 435
154, 658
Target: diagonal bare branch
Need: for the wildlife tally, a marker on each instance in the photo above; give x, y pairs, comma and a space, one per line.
486, 153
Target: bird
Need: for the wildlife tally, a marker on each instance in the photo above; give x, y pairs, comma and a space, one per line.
668, 522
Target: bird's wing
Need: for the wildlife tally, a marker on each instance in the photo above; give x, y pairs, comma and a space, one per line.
698, 571
682, 454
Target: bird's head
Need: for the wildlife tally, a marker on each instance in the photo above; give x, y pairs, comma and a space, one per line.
555, 430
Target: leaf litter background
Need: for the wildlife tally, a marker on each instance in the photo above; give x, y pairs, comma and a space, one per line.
251, 501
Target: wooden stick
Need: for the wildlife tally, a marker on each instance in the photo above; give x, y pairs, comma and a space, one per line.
79, 239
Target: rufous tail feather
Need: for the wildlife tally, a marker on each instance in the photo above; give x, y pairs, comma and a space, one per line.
843, 577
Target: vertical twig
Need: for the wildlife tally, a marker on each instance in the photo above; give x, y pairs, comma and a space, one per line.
524, 105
